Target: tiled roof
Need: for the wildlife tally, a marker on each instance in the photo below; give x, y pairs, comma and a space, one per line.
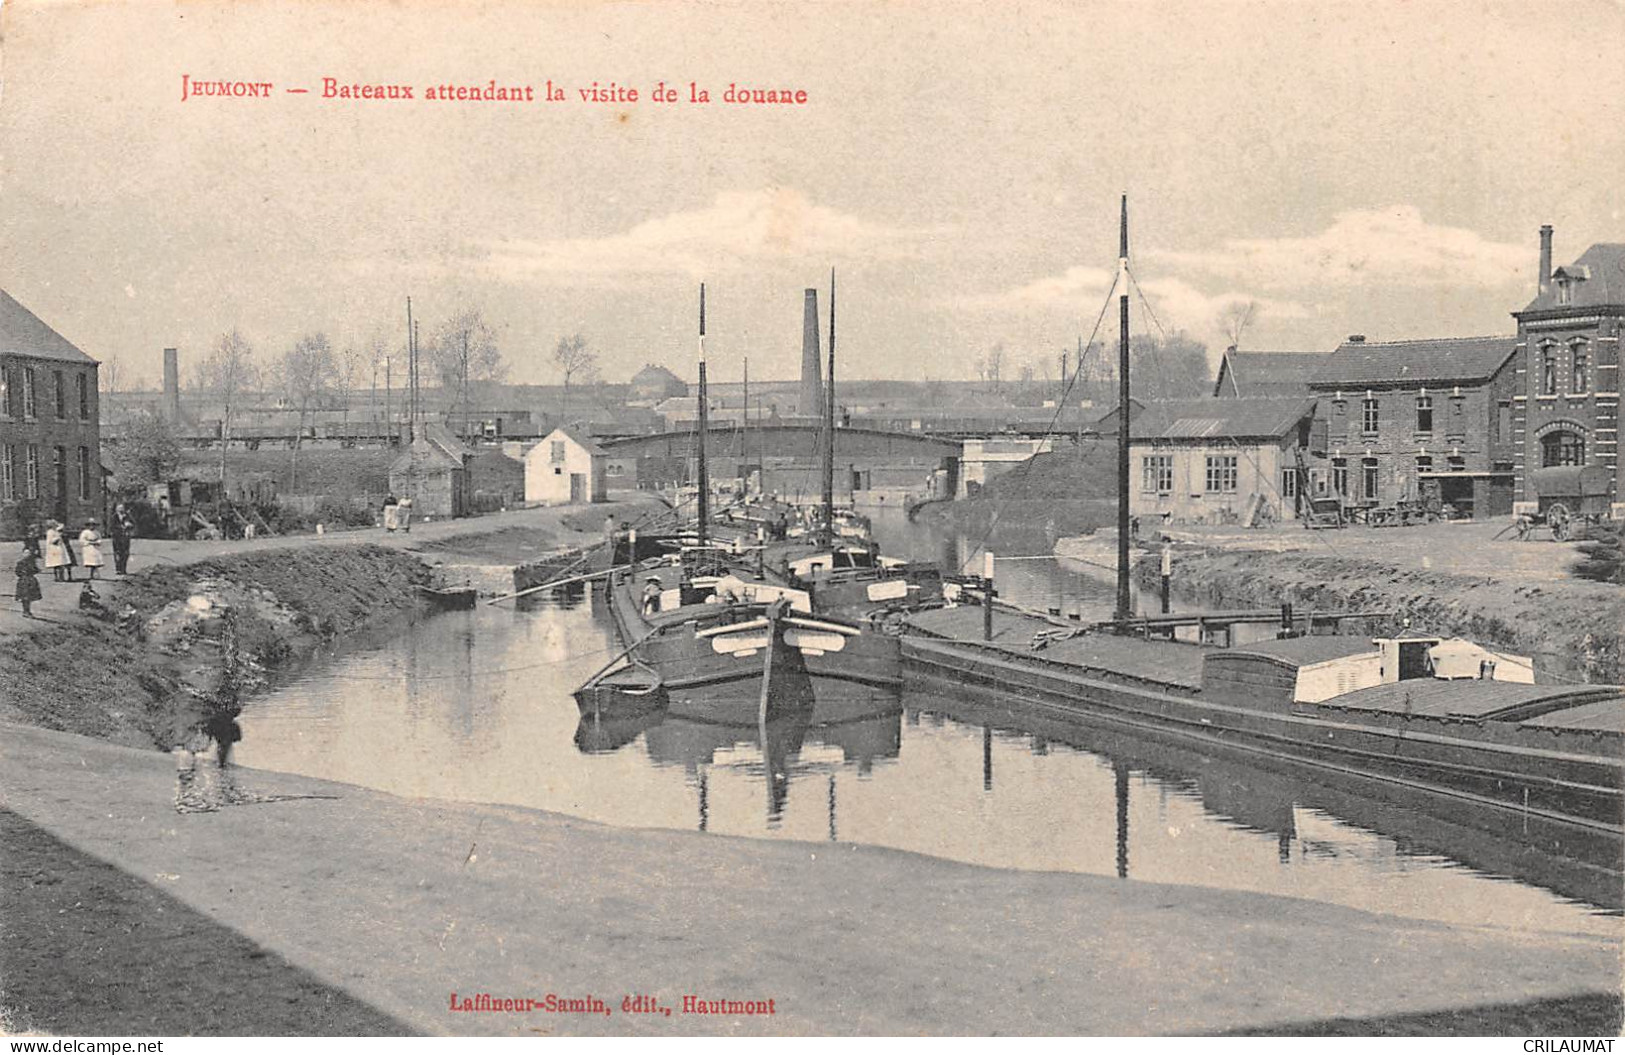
1259, 418
1603, 268
22, 333
1266, 373
1438, 361
581, 439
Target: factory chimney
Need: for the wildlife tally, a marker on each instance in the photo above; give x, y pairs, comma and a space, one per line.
812, 382
1545, 257
172, 386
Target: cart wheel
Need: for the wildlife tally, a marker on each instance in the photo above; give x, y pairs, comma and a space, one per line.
1558, 519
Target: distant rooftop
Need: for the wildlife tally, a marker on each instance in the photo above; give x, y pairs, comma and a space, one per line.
1266, 373
1594, 280
22, 333
1449, 360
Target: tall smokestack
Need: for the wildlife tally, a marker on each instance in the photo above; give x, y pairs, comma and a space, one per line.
172, 385
1545, 257
812, 381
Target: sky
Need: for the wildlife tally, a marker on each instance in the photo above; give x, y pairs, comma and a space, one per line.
1376, 168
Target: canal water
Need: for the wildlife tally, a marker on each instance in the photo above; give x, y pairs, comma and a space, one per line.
476, 706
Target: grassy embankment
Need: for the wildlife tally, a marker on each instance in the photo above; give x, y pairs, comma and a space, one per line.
1573, 628
137, 681
1069, 492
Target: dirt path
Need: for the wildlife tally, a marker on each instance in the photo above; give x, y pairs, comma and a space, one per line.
399, 903
61, 599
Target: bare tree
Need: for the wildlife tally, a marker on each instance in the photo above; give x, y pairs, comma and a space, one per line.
577, 361
305, 373
465, 351
991, 367
227, 374
352, 366
108, 374
1235, 320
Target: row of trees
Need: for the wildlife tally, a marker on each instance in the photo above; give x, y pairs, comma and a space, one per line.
462, 355
1171, 367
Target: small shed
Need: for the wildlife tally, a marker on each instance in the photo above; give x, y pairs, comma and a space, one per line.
565, 468
433, 472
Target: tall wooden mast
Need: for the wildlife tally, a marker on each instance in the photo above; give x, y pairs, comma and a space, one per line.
705, 418
829, 426
1124, 609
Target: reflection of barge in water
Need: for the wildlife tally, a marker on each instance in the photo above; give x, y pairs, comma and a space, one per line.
1342, 704
1269, 796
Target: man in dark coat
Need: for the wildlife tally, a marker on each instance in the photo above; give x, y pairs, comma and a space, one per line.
122, 529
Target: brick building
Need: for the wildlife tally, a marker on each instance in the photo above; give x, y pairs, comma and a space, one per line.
1407, 420
50, 438
1566, 407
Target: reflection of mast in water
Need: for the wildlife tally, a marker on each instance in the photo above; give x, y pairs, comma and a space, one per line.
1120, 775
1289, 828
779, 746
987, 758
832, 807
705, 807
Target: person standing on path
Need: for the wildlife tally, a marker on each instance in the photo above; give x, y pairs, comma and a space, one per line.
123, 530
90, 546
27, 589
56, 553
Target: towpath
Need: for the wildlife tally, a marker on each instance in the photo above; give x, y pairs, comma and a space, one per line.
399, 903
560, 523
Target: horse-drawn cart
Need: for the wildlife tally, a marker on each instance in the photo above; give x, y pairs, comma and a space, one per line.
1567, 499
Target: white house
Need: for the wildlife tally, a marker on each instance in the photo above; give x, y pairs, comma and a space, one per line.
565, 467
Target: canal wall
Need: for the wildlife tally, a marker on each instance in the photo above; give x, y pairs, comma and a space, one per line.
1574, 630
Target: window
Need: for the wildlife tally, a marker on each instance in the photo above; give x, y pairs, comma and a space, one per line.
84, 397
1562, 448
31, 472
8, 471
1456, 463
84, 473
59, 473
1548, 369
1424, 413
1370, 488
1289, 483
557, 451
29, 408
1503, 421
1579, 366
1221, 473
1157, 473
5, 392
1368, 414
59, 388
1424, 463
1340, 476
1565, 291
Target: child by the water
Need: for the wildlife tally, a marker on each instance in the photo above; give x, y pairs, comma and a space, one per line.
27, 589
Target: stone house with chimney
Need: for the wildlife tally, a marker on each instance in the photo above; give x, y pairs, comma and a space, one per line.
1565, 410
50, 432
1413, 420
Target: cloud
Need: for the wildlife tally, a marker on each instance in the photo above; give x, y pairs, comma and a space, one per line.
1389, 246
738, 229
1176, 303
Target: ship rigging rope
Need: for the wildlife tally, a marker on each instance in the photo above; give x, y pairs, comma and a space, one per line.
1060, 407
